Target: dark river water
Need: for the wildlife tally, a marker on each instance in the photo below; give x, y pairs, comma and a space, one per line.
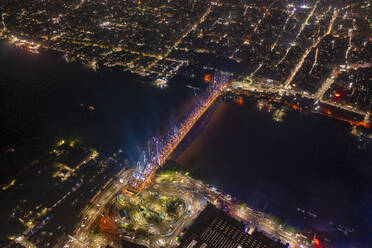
43, 100
307, 162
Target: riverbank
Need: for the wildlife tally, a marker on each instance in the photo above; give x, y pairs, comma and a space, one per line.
309, 162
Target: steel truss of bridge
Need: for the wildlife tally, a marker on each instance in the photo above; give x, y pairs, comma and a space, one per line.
158, 150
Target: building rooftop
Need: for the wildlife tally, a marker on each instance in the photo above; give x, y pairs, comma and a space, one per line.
216, 229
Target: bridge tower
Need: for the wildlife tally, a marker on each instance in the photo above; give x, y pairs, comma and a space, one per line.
157, 150
150, 158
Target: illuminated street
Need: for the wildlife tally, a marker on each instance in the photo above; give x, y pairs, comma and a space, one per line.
102, 100
147, 168
141, 212
117, 210
143, 176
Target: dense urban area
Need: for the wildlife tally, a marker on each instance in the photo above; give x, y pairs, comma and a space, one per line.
320, 48
311, 56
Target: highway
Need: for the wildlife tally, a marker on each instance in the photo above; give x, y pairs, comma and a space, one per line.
261, 222
193, 193
173, 141
258, 87
89, 215
81, 237
191, 189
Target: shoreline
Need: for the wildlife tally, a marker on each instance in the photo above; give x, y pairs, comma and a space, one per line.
217, 136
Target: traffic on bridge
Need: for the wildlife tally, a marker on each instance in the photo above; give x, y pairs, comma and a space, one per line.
157, 151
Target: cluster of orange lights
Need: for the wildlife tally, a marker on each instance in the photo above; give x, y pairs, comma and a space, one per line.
28, 46
208, 78
338, 94
292, 105
316, 243
351, 122
240, 100
105, 224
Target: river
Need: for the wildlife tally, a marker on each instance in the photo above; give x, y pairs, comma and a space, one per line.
308, 162
43, 99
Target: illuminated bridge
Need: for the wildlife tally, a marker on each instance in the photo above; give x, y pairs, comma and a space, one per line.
157, 150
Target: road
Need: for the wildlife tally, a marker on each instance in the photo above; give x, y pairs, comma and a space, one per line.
258, 87
183, 36
113, 187
95, 208
307, 52
173, 141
